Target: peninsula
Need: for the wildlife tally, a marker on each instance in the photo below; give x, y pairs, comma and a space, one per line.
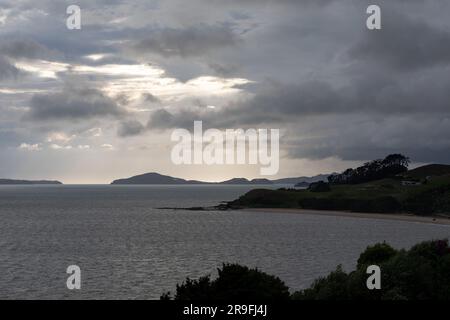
380, 186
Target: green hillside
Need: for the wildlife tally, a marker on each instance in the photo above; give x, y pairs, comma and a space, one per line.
390, 195
430, 170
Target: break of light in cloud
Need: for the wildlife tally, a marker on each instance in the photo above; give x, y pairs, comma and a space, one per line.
42, 68
135, 79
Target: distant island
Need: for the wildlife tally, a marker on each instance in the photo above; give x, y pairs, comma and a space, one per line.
380, 186
23, 182
156, 178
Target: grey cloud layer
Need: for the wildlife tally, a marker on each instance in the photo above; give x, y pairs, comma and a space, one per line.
338, 89
191, 41
130, 128
72, 103
25, 48
395, 79
7, 70
408, 44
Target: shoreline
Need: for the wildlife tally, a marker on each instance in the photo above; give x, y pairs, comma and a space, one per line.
348, 214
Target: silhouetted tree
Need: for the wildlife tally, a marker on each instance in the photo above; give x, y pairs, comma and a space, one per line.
377, 169
234, 283
376, 254
421, 273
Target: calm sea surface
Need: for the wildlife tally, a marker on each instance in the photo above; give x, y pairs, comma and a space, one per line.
128, 249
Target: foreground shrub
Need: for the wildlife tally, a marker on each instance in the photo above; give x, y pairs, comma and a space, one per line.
421, 273
234, 283
376, 254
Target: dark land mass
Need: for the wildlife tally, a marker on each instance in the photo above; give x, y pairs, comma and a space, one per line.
156, 178
422, 191
23, 182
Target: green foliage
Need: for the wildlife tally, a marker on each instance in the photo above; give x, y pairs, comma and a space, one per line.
200, 289
234, 282
382, 196
433, 200
422, 273
376, 254
374, 170
331, 287
319, 187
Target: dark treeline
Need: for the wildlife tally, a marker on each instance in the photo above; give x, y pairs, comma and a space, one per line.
420, 273
377, 169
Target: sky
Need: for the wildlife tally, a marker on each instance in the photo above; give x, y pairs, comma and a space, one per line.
100, 103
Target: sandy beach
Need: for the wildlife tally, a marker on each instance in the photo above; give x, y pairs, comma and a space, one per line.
384, 216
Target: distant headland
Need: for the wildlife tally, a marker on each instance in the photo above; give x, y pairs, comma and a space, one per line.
24, 182
379, 186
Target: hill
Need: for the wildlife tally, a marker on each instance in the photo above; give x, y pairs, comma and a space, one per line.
156, 178
430, 170
390, 195
153, 178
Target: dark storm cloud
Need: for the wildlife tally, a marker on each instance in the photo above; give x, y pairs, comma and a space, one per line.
285, 2
286, 103
353, 123
280, 101
389, 93
41, 33
191, 41
424, 139
162, 119
28, 49
223, 70
72, 103
405, 44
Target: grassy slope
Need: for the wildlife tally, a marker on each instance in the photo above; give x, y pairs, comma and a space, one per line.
386, 195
